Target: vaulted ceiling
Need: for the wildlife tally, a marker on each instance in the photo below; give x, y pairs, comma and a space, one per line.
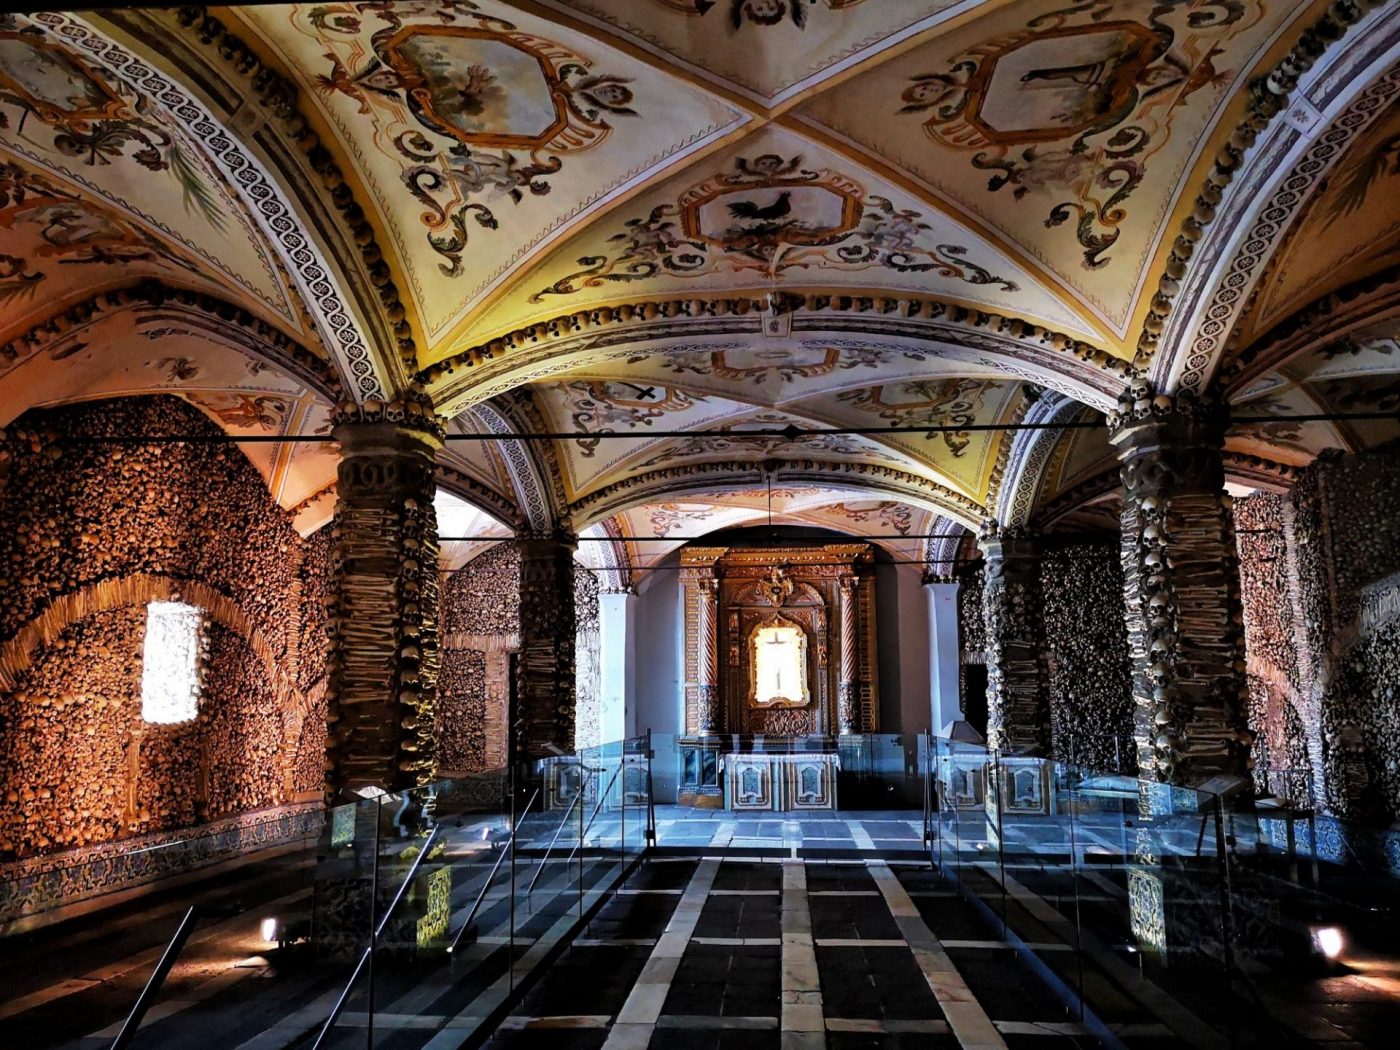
662, 225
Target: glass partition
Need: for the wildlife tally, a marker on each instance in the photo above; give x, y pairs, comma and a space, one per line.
443, 900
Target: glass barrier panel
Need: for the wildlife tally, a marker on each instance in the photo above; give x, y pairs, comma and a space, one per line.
346, 910
435, 952
600, 854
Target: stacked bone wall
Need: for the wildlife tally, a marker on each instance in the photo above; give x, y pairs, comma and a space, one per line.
1278, 714
480, 623
1347, 521
1086, 646
481, 618
78, 766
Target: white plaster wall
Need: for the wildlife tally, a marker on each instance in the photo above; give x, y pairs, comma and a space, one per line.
658, 664
902, 640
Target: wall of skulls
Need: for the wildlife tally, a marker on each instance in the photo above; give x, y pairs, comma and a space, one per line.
483, 596
972, 633
78, 766
1347, 520
1279, 716
461, 711
1086, 645
481, 617
588, 664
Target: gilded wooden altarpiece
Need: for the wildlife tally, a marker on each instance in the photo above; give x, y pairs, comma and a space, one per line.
818, 590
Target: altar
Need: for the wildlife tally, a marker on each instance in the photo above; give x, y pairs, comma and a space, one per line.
780, 666
780, 781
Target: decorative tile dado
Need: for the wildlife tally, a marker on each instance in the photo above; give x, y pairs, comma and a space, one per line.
28, 887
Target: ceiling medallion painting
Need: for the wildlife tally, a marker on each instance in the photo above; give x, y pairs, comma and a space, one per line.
246, 411
477, 109
88, 118
669, 516
758, 12
931, 403
735, 442
1076, 105
897, 517
770, 216
601, 406
757, 364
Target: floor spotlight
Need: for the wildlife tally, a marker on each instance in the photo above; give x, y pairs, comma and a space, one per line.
1328, 941
270, 929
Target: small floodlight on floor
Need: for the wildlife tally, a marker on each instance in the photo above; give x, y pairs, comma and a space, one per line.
1328, 941
270, 929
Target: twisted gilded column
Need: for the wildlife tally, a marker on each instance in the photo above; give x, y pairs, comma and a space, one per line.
848, 681
545, 682
707, 662
1018, 695
383, 617
1181, 585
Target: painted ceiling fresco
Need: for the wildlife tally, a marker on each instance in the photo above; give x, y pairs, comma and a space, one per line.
652, 530
779, 211
766, 49
95, 174
1351, 228
636, 403
480, 132
1065, 128
62, 243
661, 226
1354, 375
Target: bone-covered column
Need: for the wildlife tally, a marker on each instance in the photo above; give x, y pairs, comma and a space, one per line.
1018, 695
545, 680
848, 683
1181, 585
383, 617
707, 658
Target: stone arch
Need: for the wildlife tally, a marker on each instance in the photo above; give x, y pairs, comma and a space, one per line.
531, 488
1008, 345
871, 480
941, 548
1031, 452
1344, 87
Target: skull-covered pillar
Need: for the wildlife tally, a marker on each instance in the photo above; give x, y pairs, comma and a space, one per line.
1018, 696
1181, 586
383, 615
544, 712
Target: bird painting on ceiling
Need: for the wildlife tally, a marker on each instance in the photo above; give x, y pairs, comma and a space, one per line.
759, 12
750, 211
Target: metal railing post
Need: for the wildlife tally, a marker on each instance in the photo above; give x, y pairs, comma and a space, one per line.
158, 976
557, 832
651, 796
375, 930
490, 878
